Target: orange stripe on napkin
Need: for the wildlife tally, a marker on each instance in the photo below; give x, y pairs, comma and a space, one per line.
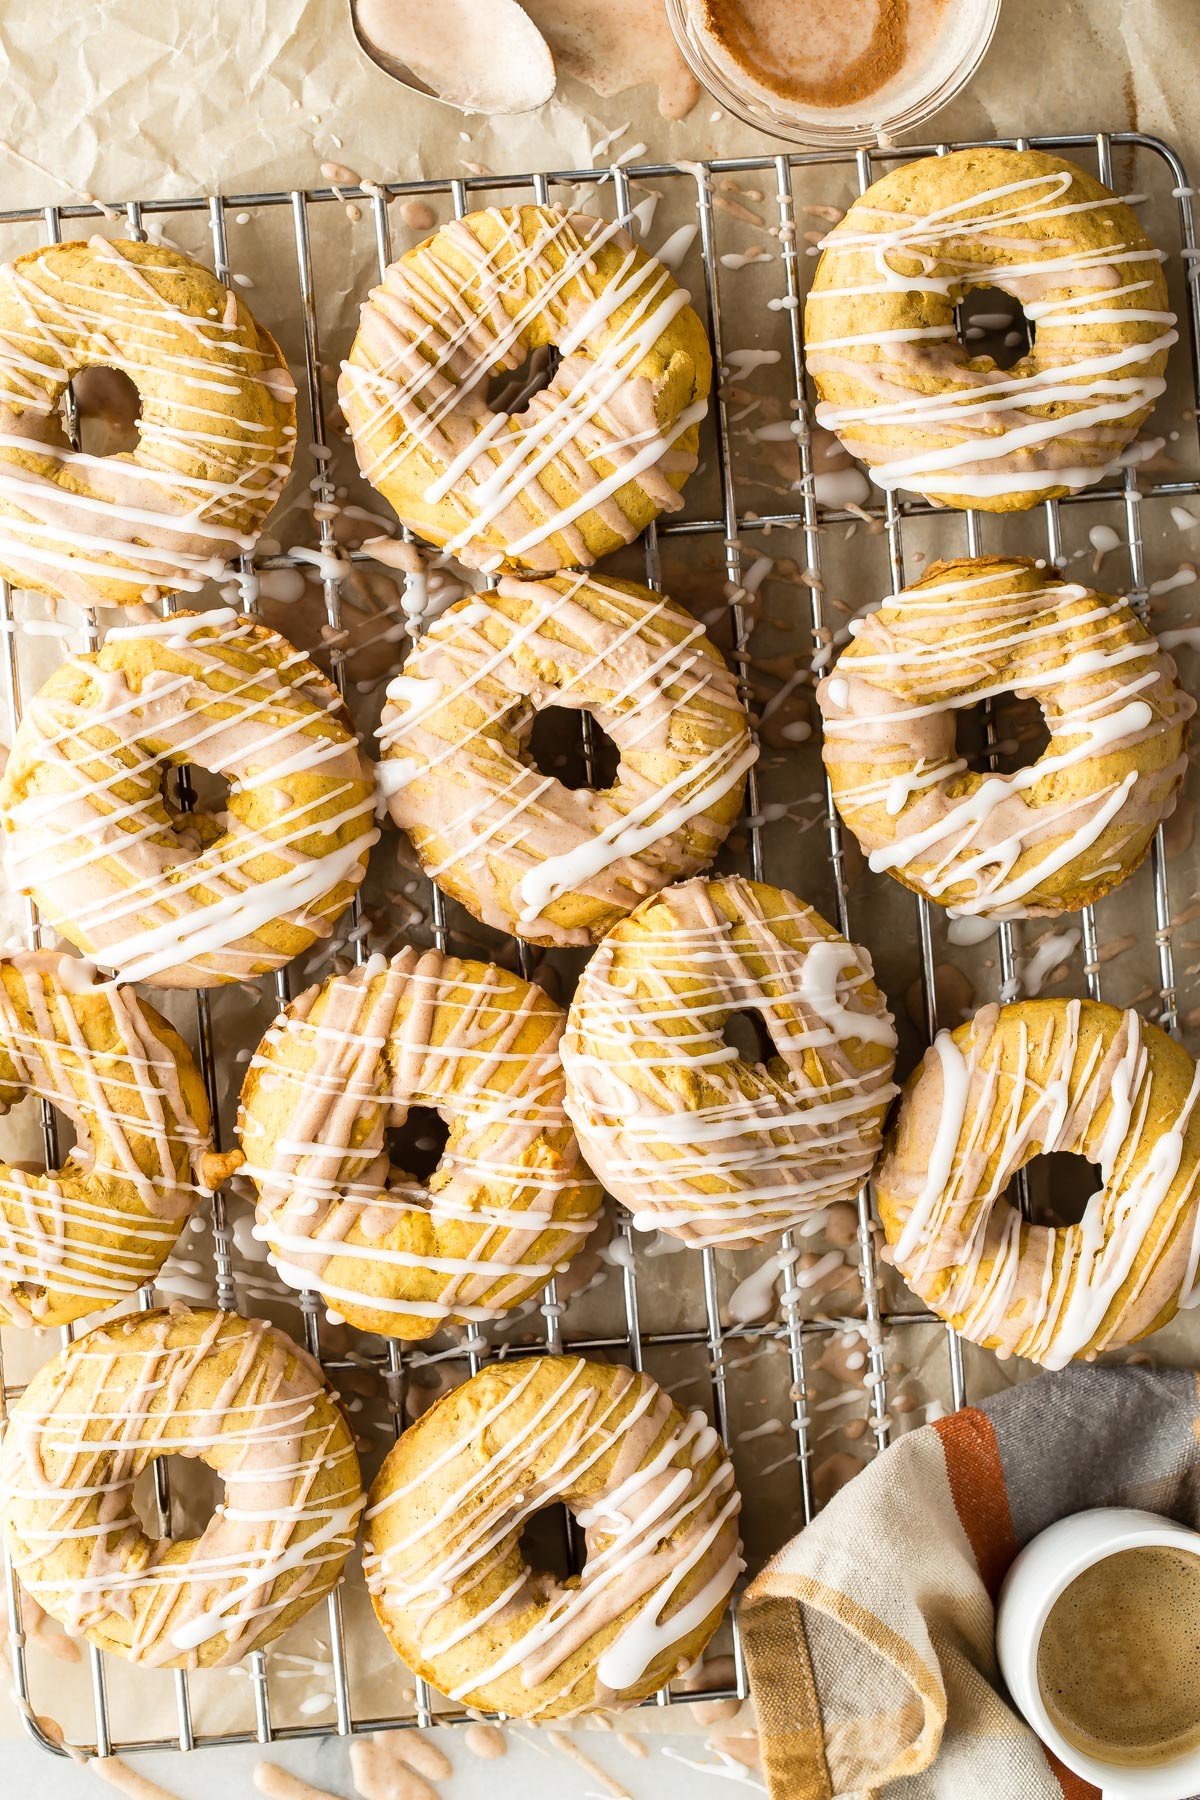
976, 1476
1074, 1787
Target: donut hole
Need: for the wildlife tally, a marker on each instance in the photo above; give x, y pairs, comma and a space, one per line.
418, 1145
992, 326
197, 803
545, 1542
747, 1033
24, 1127
555, 747
1015, 738
510, 391
107, 410
1060, 1187
195, 1490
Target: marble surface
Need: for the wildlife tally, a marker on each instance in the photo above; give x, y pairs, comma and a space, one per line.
245, 94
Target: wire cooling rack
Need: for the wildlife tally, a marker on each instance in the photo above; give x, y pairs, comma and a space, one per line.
785, 186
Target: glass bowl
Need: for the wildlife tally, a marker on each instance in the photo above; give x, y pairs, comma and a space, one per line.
841, 127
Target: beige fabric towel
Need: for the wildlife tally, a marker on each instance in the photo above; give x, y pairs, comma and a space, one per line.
870, 1636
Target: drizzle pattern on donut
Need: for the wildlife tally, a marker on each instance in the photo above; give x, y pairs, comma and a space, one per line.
81, 1237
175, 899
593, 456
1036, 1078
905, 396
652, 1489
1049, 837
515, 846
693, 1138
510, 1201
215, 436
240, 1396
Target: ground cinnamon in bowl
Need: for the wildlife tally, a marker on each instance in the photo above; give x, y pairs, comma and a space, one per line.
821, 69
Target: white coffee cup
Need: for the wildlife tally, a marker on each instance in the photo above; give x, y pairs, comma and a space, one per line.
1040, 1575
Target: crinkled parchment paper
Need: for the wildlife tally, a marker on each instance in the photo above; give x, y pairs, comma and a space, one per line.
131, 100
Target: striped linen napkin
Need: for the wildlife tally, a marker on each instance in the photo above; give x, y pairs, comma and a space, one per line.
869, 1637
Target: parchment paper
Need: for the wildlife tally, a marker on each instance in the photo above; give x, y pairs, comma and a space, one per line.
126, 100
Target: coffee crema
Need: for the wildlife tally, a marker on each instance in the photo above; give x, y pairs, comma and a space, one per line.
1118, 1662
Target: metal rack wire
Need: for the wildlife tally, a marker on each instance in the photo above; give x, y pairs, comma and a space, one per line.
729, 524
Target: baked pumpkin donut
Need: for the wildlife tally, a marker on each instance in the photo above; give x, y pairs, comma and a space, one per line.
510, 1201
905, 396
1050, 837
216, 435
691, 1136
245, 1400
1033, 1079
188, 899
595, 455
517, 848
80, 1237
652, 1488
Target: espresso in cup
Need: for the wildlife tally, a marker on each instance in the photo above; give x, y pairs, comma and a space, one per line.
1118, 1660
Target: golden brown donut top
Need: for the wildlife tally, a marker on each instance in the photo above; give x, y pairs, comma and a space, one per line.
215, 436
1038, 1078
594, 455
906, 396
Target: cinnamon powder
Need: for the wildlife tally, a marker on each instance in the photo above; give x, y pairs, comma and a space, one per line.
750, 45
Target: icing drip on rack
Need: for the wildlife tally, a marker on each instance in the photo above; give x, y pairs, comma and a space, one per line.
215, 437
652, 1489
235, 1393
512, 842
688, 1135
1034, 1079
79, 1238
510, 1202
995, 844
923, 416
188, 900
513, 487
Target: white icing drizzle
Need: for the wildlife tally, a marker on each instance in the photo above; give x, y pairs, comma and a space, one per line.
510, 1201
652, 1489
1036, 1078
241, 1396
194, 900
215, 437
911, 403
510, 842
1004, 846
613, 433
78, 1238
689, 1136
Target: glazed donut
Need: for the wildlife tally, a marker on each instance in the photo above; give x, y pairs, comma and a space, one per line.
215, 441
902, 392
1041, 1077
245, 1400
689, 1135
594, 456
653, 1490
517, 848
80, 1237
510, 1201
1053, 836
188, 899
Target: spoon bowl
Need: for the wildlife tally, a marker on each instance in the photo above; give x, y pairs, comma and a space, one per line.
477, 56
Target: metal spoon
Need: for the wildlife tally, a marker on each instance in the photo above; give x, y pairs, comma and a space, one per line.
515, 75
